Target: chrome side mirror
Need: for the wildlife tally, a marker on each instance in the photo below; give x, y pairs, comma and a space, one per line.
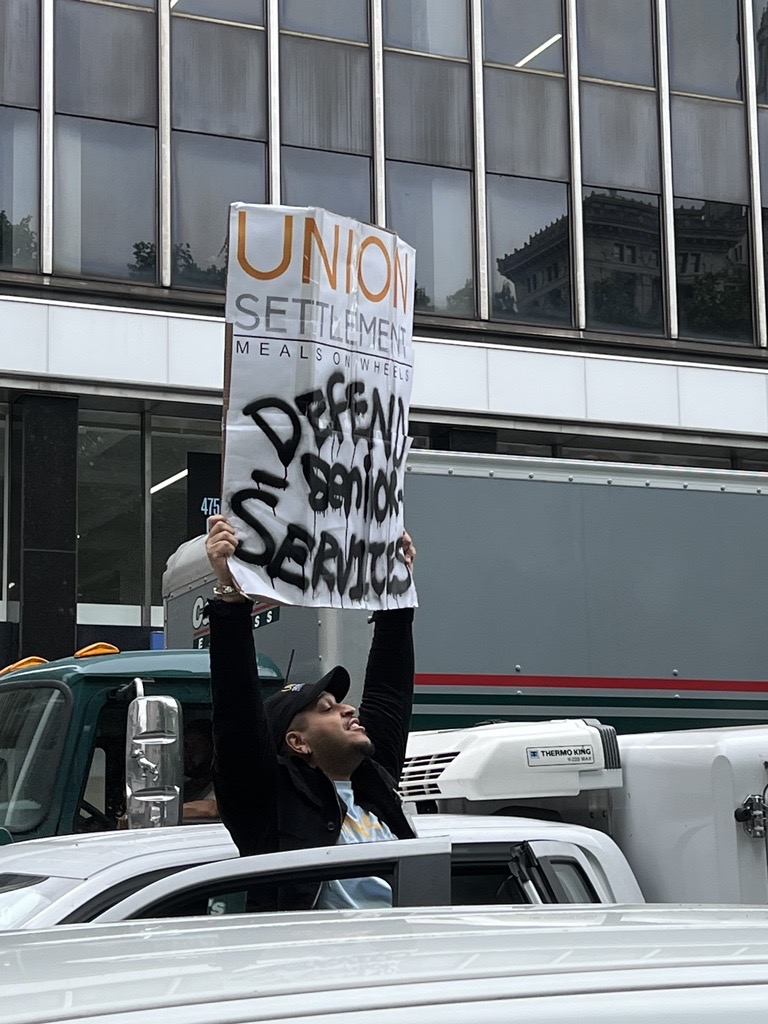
153, 763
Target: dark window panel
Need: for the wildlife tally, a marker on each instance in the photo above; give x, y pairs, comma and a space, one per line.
104, 199
105, 62
704, 47
762, 128
427, 110
334, 181
713, 271
208, 174
620, 137
529, 250
218, 79
524, 33
431, 209
19, 186
342, 19
616, 40
526, 120
109, 511
247, 12
760, 16
20, 53
325, 95
709, 150
622, 258
427, 26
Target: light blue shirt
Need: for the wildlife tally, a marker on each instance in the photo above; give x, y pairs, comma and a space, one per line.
359, 826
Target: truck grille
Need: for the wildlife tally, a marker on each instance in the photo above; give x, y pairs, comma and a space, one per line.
420, 774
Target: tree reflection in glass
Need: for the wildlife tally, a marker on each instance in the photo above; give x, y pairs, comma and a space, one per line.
713, 270
622, 260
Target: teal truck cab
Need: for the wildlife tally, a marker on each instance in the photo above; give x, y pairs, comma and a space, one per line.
71, 737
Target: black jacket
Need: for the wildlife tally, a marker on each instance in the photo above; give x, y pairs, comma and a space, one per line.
269, 802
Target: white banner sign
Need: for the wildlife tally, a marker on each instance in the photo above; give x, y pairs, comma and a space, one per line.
319, 368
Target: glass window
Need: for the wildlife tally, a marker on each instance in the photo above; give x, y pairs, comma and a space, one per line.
427, 110
325, 95
172, 441
19, 176
334, 181
94, 234
762, 123
33, 725
247, 12
430, 26
622, 246
713, 270
218, 79
431, 208
760, 14
704, 47
569, 882
620, 134
527, 119
20, 53
616, 40
529, 254
208, 174
709, 150
95, 792
524, 33
342, 19
22, 897
109, 510
105, 62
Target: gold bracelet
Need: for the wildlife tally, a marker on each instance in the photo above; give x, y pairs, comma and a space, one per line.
224, 590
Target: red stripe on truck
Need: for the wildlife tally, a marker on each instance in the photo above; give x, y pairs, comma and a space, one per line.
589, 682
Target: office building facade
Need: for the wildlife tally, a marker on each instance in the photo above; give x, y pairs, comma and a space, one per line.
585, 182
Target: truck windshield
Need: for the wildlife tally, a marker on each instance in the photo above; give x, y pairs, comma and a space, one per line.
23, 896
33, 724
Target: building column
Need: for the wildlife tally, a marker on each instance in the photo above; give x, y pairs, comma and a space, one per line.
42, 569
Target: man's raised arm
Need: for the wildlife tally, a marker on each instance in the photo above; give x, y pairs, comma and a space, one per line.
245, 760
387, 701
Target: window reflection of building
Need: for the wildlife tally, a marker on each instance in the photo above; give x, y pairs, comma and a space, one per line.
713, 269
537, 276
622, 265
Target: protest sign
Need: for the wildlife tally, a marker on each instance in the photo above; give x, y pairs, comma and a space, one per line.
319, 365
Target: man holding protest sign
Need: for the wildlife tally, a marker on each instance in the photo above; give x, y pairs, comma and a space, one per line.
303, 769
318, 374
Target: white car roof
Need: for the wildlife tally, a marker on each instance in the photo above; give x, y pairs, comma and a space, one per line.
336, 964
83, 856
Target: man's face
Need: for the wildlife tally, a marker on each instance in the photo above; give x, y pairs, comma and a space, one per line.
329, 729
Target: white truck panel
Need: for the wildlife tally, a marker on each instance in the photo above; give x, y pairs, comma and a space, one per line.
674, 818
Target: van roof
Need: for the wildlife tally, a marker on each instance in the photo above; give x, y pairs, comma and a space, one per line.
336, 964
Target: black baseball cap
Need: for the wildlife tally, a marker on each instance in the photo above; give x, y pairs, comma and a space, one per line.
283, 706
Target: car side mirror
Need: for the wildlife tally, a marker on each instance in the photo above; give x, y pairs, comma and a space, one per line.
153, 763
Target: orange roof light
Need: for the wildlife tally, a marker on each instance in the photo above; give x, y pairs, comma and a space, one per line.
29, 662
92, 650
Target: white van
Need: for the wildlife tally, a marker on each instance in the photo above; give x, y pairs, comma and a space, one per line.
478, 965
